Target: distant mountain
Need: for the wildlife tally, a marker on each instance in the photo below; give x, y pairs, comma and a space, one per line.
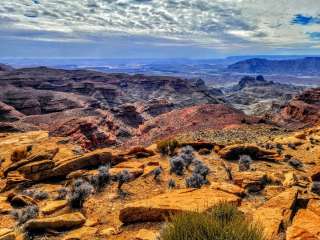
5, 68
304, 66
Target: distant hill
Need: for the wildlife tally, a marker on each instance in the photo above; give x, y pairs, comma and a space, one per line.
304, 66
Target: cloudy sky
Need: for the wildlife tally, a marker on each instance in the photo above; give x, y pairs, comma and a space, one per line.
158, 28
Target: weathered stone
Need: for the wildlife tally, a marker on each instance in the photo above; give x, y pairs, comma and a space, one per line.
81, 234
65, 221
145, 234
228, 187
45, 155
233, 152
276, 212
64, 167
106, 232
305, 226
22, 200
5, 207
315, 174
130, 164
35, 167
12, 180
314, 206
290, 179
183, 200
7, 234
251, 181
53, 206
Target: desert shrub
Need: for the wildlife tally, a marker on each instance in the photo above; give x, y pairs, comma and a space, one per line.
156, 173
177, 165
201, 169
80, 191
224, 222
62, 193
172, 184
25, 214
100, 180
187, 155
36, 194
167, 147
244, 163
123, 177
195, 181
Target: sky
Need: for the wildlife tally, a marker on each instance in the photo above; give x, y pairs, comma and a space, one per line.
158, 28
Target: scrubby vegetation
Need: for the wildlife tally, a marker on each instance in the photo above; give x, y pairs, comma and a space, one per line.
102, 179
80, 191
36, 194
187, 156
177, 165
157, 173
224, 222
123, 177
167, 147
62, 193
195, 181
25, 214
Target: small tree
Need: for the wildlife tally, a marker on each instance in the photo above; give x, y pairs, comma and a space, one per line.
80, 191
244, 163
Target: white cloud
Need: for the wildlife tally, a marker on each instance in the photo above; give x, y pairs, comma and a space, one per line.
213, 23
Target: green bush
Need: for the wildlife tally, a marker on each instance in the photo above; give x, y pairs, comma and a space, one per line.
223, 222
167, 147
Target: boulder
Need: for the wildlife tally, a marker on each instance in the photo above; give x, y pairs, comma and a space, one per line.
53, 206
13, 179
65, 221
233, 152
305, 226
106, 232
276, 212
183, 200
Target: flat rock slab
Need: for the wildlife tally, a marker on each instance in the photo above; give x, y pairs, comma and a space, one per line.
65, 221
81, 234
305, 226
7, 234
53, 206
184, 200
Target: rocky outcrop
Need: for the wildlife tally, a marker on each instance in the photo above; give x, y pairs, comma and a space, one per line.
184, 200
302, 111
276, 213
201, 117
8, 113
233, 152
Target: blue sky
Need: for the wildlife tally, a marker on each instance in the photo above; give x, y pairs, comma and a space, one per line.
158, 28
